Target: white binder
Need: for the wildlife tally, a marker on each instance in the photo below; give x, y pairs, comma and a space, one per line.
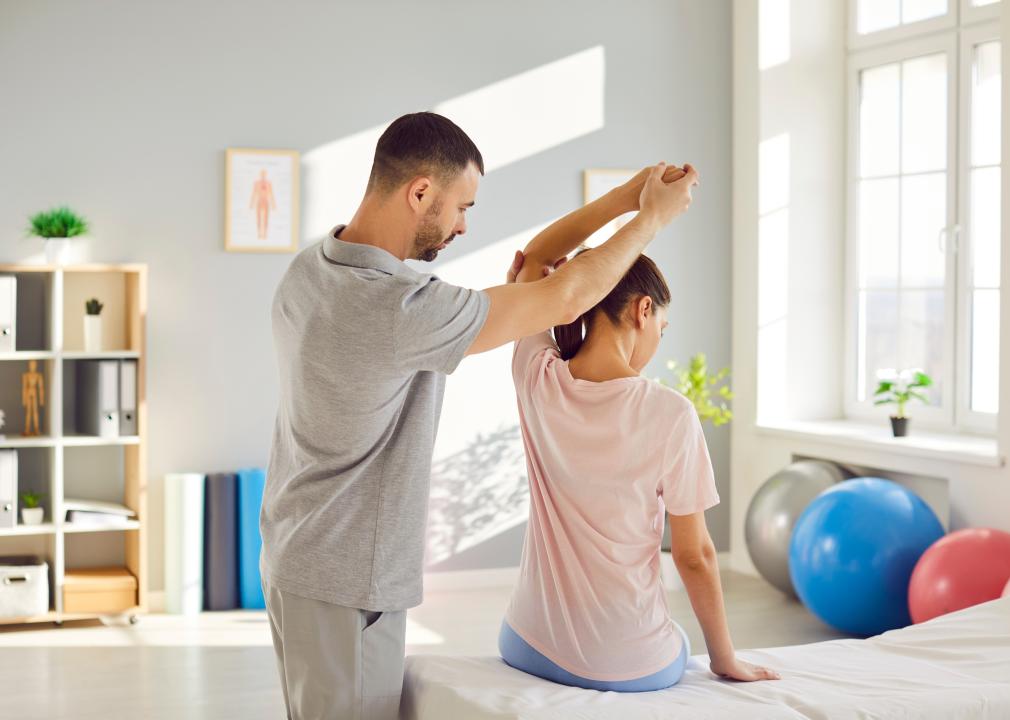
128, 397
8, 488
8, 312
98, 397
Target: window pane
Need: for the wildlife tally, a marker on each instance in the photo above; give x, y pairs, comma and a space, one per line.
914, 10
921, 337
985, 226
878, 339
773, 267
985, 351
878, 120
873, 15
985, 105
924, 113
878, 233
923, 216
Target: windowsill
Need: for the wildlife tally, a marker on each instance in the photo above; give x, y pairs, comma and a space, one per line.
951, 447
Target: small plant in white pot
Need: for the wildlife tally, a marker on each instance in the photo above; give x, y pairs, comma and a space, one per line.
898, 388
31, 508
56, 227
93, 325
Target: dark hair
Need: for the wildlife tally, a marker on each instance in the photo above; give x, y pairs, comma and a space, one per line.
643, 278
418, 144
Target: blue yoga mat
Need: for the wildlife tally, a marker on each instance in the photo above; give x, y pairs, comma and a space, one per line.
250, 498
220, 552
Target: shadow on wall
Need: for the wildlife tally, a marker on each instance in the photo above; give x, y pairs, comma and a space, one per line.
477, 493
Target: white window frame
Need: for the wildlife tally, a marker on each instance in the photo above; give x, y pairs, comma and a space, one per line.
906, 31
939, 418
971, 14
968, 39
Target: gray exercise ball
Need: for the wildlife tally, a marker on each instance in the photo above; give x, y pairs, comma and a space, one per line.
773, 512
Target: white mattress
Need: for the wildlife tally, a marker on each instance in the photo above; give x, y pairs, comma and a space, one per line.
956, 666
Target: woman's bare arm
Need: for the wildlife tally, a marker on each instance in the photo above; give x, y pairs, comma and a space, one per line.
695, 557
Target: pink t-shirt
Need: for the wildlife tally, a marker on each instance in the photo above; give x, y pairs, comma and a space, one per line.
604, 460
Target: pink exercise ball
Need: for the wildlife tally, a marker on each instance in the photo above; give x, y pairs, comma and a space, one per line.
964, 568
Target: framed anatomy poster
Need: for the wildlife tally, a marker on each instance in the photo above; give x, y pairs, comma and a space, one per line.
261, 200
596, 183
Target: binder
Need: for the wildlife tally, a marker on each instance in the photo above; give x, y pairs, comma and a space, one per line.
8, 488
8, 312
184, 543
98, 397
220, 540
250, 497
128, 397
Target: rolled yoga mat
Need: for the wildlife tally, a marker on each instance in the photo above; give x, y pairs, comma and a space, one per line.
250, 498
220, 546
184, 543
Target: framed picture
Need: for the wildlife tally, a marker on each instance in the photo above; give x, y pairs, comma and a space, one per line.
595, 183
261, 200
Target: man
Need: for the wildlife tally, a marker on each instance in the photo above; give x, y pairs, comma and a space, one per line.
364, 343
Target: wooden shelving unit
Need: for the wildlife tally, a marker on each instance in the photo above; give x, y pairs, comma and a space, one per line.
64, 463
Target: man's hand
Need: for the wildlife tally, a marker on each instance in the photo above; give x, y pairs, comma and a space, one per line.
661, 202
517, 266
631, 191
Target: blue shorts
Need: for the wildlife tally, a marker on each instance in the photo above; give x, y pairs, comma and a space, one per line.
519, 654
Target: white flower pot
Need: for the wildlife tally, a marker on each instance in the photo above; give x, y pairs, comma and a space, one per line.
32, 516
92, 333
57, 250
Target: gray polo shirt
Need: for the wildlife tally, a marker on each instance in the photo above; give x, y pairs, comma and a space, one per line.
363, 345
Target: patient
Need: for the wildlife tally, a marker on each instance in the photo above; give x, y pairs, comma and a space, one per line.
607, 451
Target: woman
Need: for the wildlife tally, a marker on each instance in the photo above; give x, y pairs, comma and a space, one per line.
607, 450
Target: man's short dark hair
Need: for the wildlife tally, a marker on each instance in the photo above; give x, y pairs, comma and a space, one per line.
422, 143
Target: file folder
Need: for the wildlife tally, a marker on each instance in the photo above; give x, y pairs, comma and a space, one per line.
128, 397
98, 397
8, 312
8, 488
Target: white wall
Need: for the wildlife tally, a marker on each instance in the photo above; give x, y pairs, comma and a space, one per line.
123, 110
805, 96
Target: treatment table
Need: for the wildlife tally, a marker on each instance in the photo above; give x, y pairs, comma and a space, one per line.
955, 666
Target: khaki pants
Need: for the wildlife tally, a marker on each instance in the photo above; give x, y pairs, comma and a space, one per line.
335, 662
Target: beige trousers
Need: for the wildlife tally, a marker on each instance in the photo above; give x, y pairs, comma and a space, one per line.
336, 663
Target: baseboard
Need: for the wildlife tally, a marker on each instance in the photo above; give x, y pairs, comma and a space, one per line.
489, 578
454, 580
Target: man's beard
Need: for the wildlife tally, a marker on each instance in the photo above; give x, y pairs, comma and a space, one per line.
429, 236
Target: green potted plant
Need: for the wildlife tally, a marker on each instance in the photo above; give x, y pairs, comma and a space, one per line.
31, 508
898, 388
56, 227
695, 383
93, 325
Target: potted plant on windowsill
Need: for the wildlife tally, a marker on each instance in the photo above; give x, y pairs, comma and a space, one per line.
31, 508
56, 227
898, 388
93, 325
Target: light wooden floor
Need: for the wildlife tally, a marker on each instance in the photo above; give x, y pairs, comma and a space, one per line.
221, 665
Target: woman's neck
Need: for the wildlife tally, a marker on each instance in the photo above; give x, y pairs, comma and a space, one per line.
605, 355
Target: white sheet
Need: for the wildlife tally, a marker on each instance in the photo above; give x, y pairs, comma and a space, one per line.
956, 666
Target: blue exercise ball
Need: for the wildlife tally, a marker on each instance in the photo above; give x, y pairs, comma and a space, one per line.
853, 551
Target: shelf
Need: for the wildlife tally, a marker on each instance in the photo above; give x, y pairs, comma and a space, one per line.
950, 447
50, 616
17, 530
104, 355
95, 441
22, 355
129, 525
18, 441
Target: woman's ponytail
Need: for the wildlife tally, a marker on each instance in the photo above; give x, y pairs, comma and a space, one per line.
569, 337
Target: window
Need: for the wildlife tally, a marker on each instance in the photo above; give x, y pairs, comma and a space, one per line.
924, 190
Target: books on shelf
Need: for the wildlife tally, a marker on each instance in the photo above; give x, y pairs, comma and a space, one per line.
95, 513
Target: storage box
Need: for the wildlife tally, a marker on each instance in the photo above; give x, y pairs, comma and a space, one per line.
24, 587
99, 590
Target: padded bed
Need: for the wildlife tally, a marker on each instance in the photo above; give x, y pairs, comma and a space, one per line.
955, 666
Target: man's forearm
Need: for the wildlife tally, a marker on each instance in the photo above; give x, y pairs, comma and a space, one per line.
561, 237
589, 277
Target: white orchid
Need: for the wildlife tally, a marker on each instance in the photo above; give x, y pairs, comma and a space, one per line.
898, 387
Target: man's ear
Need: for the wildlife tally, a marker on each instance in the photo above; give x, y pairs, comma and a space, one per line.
417, 191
